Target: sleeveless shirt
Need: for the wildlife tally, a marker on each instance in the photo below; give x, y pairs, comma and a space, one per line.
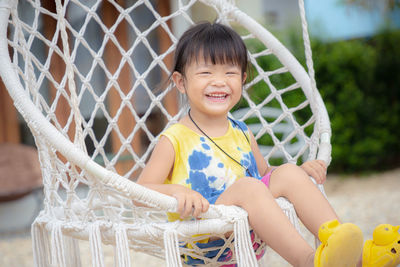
202, 166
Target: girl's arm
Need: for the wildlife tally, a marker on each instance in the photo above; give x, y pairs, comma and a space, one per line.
262, 165
314, 168
158, 169
159, 165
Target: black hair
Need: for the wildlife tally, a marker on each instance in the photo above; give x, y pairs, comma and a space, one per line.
217, 43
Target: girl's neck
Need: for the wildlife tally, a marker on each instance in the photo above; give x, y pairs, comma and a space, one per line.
213, 126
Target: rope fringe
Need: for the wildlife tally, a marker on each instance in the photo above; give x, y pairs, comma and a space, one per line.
40, 245
72, 251
96, 245
57, 246
171, 245
243, 246
122, 247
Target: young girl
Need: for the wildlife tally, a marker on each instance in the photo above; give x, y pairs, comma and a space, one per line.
208, 158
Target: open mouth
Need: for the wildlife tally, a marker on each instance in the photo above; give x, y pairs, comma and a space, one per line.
217, 96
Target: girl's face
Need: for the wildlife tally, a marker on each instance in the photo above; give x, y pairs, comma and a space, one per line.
212, 89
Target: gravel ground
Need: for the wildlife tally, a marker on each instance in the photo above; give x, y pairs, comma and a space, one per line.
366, 201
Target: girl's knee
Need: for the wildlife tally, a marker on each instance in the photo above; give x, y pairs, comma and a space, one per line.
249, 190
290, 167
289, 171
244, 189
286, 176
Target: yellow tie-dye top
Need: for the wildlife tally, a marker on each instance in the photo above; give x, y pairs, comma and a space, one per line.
202, 166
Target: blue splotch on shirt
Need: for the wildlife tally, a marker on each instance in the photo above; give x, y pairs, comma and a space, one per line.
249, 162
239, 125
198, 160
209, 174
200, 182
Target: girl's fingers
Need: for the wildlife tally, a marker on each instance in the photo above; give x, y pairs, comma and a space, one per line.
314, 174
322, 163
321, 172
316, 169
205, 205
181, 203
189, 205
197, 207
322, 175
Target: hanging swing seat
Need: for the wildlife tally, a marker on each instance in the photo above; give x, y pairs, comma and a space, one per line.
69, 65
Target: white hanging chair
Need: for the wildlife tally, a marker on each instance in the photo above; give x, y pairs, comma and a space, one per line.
67, 65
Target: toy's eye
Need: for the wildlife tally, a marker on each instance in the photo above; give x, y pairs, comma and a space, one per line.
398, 242
393, 251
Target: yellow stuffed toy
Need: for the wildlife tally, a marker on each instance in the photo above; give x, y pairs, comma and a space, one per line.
384, 249
341, 245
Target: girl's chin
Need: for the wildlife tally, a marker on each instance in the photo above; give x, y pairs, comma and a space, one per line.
215, 111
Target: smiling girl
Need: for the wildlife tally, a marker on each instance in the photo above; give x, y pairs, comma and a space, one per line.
208, 158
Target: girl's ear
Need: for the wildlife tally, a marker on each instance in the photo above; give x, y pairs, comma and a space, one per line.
179, 81
244, 77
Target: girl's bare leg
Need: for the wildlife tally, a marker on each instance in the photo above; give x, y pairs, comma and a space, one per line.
268, 221
293, 183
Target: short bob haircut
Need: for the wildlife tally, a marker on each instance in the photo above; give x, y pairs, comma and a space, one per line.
217, 43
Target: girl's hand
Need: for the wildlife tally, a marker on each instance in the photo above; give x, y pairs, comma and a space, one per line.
316, 169
191, 203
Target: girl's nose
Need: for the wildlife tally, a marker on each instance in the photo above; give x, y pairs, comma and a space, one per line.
218, 82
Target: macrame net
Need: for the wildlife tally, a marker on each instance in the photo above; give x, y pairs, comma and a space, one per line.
98, 71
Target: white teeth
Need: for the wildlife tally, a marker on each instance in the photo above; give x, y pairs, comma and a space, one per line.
216, 95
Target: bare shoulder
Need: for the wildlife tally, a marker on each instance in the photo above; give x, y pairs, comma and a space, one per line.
165, 146
160, 163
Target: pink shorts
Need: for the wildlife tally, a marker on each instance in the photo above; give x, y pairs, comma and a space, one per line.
266, 178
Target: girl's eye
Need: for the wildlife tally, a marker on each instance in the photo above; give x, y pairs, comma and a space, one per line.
232, 73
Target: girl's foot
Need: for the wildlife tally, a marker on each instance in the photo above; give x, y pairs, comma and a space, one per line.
384, 249
342, 245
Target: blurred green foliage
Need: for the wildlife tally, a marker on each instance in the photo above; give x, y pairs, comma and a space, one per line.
359, 81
